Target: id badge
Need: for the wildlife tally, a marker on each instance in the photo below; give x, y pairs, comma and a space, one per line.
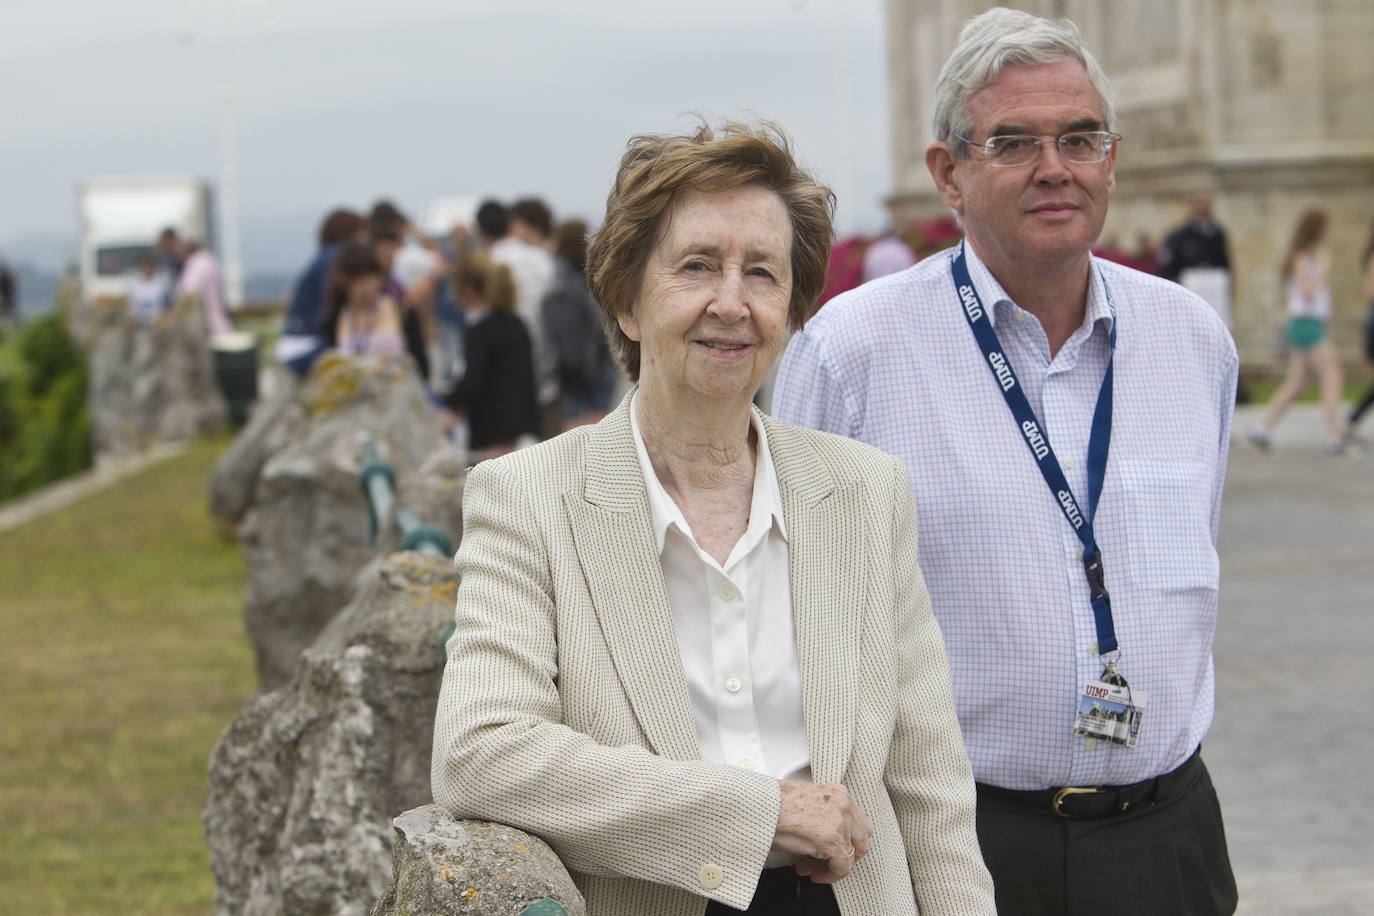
1110, 711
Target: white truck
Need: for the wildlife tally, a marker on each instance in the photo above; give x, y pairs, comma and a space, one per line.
121, 219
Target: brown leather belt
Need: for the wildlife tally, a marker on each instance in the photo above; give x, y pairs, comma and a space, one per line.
1089, 802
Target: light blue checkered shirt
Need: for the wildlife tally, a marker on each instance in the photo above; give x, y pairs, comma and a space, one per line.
895, 364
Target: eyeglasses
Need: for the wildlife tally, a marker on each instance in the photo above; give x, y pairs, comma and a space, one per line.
1018, 149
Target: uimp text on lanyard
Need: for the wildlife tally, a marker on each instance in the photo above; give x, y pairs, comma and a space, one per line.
1037, 441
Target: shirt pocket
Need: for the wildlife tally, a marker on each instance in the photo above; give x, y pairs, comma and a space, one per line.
1168, 531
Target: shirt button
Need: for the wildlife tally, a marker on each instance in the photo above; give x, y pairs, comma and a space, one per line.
746, 763
1068, 462
711, 877
733, 683
727, 593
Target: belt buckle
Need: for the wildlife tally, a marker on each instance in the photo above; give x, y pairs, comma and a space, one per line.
1065, 793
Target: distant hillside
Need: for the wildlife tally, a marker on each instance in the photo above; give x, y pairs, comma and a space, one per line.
267, 286
37, 287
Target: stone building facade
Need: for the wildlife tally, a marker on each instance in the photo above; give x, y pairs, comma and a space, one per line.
1267, 104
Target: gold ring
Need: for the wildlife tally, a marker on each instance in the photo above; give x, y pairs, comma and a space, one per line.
850, 854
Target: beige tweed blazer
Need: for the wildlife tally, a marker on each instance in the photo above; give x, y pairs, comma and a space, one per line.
565, 712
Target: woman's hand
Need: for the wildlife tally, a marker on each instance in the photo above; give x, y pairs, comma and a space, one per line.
823, 824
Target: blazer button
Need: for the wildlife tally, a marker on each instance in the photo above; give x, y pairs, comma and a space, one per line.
711, 877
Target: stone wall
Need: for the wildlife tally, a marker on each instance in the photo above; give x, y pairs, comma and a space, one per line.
445, 867
149, 383
306, 780
1259, 209
291, 485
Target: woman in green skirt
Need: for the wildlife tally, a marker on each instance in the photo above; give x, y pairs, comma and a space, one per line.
1304, 275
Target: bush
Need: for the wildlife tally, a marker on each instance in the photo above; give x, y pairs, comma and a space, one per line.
14, 386
45, 426
49, 352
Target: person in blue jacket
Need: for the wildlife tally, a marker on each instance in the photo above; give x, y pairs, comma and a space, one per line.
302, 340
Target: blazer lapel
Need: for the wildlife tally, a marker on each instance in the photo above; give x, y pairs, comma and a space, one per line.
613, 531
828, 581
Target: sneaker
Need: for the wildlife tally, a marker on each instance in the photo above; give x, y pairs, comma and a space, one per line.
1350, 438
1258, 438
1337, 447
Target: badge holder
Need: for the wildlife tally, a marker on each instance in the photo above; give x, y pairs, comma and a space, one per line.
1109, 709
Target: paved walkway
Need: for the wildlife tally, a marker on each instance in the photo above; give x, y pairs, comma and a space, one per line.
65, 492
1292, 744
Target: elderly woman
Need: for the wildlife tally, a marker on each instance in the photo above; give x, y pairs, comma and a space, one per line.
694, 652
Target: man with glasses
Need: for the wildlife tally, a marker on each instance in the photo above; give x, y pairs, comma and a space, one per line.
1065, 421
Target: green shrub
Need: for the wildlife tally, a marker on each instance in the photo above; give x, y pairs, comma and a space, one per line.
69, 449
49, 352
45, 425
14, 386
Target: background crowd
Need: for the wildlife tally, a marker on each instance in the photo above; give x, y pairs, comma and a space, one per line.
496, 316
502, 331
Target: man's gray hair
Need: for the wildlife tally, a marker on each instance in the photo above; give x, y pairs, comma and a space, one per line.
1002, 38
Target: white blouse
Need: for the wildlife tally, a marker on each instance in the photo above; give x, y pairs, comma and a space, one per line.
1309, 268
734, 627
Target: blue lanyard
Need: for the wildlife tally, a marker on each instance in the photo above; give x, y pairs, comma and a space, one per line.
1038, 442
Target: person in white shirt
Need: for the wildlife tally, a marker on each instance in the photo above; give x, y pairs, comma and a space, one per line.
1310, 352
532, 266
531, 221
151, 294
693, 651
1066, 422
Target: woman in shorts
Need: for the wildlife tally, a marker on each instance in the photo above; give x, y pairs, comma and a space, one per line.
1304, 276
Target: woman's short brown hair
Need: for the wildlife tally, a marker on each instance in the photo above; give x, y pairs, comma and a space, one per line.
654, 173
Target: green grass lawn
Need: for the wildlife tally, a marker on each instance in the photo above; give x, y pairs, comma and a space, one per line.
1262, 389
122, 659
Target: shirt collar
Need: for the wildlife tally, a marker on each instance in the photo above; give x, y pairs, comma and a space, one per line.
764, 511
1098, 310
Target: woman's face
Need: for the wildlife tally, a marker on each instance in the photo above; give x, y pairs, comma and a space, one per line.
712, 309
365, 288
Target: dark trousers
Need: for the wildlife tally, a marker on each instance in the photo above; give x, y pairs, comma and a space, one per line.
781, 892
1363, 407
1168, 857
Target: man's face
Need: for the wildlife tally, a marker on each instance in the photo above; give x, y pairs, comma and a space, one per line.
1202, 208
1047, 212
524, 231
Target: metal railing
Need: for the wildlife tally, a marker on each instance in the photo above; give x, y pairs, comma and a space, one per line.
378, 481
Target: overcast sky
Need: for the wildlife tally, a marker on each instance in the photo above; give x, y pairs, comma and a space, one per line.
345, 101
